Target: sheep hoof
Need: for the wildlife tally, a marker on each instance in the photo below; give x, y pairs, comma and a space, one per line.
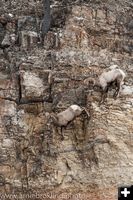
62, 137
100, 103
115, 96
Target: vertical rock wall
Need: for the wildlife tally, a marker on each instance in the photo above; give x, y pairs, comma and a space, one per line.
96, 154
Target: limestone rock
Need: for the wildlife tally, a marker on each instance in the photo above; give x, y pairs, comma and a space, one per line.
96, 155
28, 39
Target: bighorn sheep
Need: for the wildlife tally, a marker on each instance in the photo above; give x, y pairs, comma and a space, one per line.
106, 79
63, 118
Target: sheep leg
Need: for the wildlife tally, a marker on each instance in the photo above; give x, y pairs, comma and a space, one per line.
116, 94
102, 98
62, 135
104, 95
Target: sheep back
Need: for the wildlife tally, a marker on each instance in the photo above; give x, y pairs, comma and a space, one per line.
68, 115
110, 76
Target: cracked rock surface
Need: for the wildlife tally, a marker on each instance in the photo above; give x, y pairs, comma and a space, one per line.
96, 155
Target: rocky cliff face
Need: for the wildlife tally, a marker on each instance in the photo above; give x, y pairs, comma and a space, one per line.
96, 155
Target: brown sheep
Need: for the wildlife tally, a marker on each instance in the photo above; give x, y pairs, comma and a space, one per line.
63, 118
106, 79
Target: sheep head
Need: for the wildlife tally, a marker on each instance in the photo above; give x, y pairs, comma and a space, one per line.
53, 118
89, 81
92, 83
76, 110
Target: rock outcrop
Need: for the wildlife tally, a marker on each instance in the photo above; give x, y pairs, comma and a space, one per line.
96, 155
